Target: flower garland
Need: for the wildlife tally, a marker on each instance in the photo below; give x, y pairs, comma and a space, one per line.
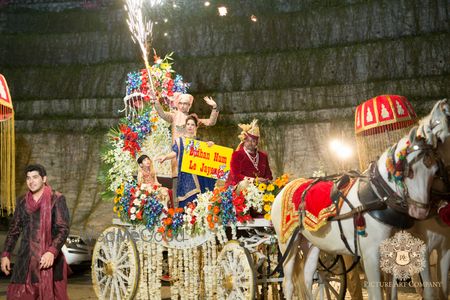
270, 191
164, 84
172, 223
145, 134
212, 210
396, 169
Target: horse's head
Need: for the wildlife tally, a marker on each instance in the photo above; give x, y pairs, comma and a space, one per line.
435, 126
420, 166
412, 163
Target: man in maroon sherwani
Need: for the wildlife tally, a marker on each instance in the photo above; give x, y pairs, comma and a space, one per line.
42, 217
247, 160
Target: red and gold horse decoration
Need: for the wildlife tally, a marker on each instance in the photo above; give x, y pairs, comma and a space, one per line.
380, 122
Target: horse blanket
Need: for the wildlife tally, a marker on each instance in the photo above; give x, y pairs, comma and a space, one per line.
318, 206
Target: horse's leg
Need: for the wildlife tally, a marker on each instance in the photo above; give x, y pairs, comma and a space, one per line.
310, 266
427, 290
293, 268
444, 265
371, 258
288, 270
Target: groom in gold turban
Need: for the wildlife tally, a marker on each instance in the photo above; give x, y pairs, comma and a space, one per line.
247, 160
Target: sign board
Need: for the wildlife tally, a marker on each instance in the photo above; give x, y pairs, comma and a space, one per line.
200, 159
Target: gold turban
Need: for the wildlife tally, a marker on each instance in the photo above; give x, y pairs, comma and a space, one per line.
251, 130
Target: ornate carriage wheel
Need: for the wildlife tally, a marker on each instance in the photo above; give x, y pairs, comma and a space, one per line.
329, 282
115, 265
236, 278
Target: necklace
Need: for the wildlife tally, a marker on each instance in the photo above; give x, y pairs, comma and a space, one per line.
254, 160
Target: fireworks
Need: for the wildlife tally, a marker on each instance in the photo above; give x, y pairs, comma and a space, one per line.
141, 29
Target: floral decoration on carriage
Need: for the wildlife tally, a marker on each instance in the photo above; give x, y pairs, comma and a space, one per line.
143, 131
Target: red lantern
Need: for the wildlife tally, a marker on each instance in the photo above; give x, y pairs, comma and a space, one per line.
379, 123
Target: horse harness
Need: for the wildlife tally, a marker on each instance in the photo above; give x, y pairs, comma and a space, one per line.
376, 196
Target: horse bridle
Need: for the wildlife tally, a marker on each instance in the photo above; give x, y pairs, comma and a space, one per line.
391, 197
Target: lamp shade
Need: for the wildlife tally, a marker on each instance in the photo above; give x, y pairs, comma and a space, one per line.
383, 113
379, 123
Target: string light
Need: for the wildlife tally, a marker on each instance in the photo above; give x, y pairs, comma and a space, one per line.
253, 18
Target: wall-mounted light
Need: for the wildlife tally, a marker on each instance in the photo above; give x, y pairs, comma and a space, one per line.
222, 11
253, 18
207, 3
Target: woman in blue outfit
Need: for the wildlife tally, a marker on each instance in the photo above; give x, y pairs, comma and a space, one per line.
189, 185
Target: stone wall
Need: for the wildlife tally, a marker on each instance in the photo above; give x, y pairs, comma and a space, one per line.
301, 69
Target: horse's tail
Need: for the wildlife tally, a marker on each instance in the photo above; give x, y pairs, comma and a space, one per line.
301, 289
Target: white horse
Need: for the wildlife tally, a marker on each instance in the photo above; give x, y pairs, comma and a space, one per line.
436, 236
413, 193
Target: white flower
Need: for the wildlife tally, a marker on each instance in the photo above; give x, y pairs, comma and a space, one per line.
138, 192
133, 216
143, 197
133, 210
136, 202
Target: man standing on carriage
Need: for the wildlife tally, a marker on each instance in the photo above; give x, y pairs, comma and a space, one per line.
247, 161
178, 117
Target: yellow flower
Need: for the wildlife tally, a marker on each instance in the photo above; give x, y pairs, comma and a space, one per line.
154, 127
118, 214
267, 217
278, 182
267, 207
120, 208
115, 208
262, 187
270, 187
165, 66
265, 197
270, 197
119, 191
116, 199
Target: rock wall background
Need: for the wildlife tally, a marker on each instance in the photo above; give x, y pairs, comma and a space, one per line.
301, 69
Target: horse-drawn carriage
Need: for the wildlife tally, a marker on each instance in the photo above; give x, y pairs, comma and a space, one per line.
128, 263
236, 260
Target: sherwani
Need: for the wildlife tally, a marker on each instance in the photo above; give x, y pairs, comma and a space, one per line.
26, 267
241, 166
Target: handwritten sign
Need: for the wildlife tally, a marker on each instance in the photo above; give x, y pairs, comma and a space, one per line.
200, 159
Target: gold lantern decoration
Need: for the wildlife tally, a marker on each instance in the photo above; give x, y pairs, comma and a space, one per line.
379, 123
7, 150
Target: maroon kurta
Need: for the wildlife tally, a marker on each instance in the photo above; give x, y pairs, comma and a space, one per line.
444, 214
241, 166
25, 274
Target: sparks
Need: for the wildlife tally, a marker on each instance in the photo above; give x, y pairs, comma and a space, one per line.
141, 29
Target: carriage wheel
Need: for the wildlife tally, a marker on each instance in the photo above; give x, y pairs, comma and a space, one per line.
115, 265
330, 282
236, 272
